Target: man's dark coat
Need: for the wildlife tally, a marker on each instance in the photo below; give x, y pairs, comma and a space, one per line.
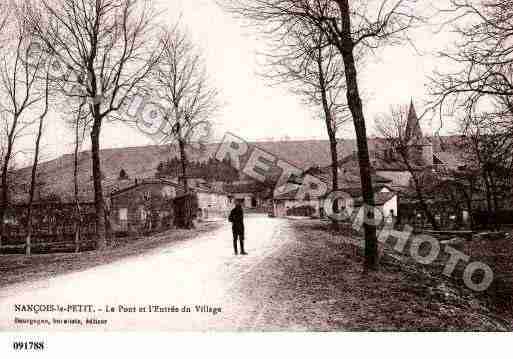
237, 219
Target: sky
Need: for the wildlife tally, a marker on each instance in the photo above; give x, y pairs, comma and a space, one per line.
255, 111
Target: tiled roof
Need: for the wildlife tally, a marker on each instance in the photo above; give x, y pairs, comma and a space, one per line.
450, 159
349, 169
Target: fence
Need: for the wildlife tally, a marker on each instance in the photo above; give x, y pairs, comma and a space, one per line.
449, 218
55, 227
485, 219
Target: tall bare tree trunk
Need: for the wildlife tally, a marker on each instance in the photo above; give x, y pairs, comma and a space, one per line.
3, 206
183, 159
183, 155
489, 202
99, 202
328, 121
78, 220
354, 101
33, 184
328, 118
183, 162
5, 188
496, 203
334, 170
33, 175
334, 160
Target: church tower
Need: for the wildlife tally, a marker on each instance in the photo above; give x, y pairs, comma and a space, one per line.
421, 147
413, 130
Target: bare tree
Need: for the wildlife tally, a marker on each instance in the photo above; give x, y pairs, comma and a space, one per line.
80, 122
479, 91
19, 75
407, 151
482, 79
5, 10
107, 48
315, 72
353, 29
45, 98
189, 100
488, 152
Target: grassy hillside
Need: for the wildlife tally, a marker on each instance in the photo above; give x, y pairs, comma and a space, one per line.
141, 162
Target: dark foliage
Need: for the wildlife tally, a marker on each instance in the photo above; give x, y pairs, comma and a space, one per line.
211, 170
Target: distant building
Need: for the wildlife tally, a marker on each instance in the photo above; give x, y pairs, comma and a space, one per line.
288, 204
212, 203
385, 200
390, 176
148, 205
252, 194
144, 206
287, 201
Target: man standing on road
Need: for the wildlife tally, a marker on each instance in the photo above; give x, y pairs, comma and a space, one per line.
237, 219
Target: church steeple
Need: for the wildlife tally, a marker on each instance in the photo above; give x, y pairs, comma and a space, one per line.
413, 129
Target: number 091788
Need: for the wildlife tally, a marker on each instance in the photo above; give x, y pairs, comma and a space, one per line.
22, 346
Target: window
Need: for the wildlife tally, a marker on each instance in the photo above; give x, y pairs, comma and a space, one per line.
123, 214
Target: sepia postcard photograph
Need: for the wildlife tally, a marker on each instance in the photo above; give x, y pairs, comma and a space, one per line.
255, 167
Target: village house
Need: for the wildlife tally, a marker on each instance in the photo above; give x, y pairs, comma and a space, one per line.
286, 202
287, 199
149, 205
251, 193
212, 203
392, 179
386, 163
386, 202
144, 206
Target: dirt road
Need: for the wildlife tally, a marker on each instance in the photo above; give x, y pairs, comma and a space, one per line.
200, 275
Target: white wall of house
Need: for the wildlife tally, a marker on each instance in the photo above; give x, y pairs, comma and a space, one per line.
390, 207
213, 204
